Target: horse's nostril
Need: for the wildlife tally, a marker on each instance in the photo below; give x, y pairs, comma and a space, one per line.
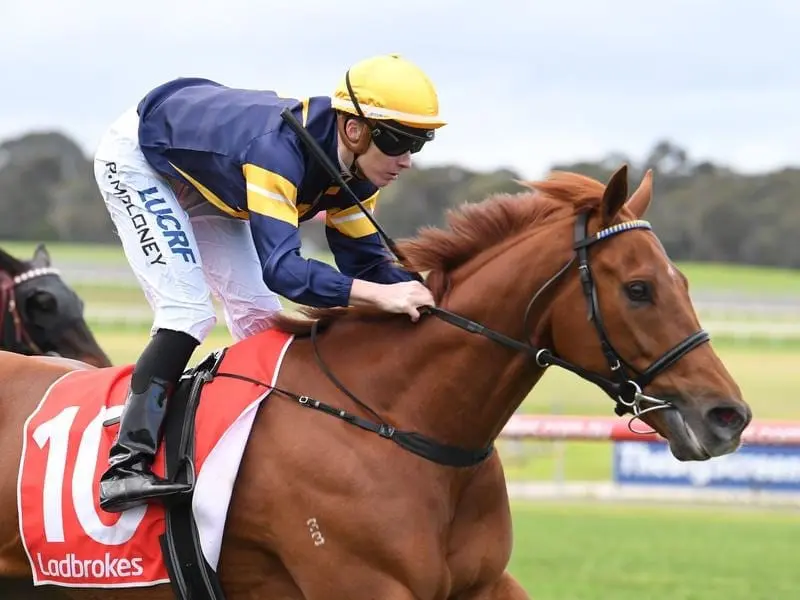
726, 417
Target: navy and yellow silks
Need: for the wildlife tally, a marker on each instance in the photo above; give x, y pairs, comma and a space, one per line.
233, 147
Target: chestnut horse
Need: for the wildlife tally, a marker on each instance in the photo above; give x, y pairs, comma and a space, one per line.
40, 314
397, 524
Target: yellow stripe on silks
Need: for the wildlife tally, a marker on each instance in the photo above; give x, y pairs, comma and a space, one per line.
305, 111
270, 194
351, 221
211, 196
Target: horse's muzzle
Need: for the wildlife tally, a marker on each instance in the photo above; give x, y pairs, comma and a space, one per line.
706, 431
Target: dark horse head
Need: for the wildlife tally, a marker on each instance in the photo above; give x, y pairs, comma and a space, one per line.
40, 314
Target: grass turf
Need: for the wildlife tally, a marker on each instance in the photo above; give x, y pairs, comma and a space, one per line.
582, 551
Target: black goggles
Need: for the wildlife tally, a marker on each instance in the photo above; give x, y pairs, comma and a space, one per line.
394, 142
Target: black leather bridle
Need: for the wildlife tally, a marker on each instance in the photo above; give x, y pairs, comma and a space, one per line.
14, 336
625, 388
626, 383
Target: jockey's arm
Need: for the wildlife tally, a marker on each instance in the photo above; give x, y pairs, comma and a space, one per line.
272, 174
357, 248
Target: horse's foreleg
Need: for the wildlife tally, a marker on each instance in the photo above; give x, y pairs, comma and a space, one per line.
505, 588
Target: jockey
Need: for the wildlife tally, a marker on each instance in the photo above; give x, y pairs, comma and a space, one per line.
206, 186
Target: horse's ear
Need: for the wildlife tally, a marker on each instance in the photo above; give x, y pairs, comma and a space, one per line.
41, 257
615, 195
640, 199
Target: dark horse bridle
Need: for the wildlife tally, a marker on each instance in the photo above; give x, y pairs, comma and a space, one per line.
14, 336
626, 383
624, 386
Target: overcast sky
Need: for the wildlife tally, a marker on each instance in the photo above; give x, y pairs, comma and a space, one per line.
523, 84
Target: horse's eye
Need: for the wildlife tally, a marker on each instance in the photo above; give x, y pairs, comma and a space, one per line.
639, 291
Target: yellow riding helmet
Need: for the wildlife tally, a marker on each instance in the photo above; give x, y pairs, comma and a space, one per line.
390, 88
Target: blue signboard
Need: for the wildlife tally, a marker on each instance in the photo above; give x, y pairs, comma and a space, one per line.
751, 467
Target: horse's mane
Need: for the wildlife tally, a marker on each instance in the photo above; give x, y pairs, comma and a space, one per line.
11, 264
471, 228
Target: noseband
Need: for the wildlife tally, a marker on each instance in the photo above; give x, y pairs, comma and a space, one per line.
17, 339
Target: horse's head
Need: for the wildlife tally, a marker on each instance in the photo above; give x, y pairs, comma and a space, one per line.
573, 269
626, 314
41, 314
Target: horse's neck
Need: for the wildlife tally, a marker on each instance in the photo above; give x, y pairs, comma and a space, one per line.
435, 378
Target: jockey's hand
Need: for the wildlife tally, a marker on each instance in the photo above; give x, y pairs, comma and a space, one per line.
404, 297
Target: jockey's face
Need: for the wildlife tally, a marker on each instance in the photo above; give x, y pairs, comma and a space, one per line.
382, 169
377, 166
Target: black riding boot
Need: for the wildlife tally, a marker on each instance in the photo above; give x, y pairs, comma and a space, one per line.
129, 481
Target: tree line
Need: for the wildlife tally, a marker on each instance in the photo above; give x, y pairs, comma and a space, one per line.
702, 211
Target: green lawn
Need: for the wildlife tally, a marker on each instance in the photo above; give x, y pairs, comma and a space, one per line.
741, 278
580, 551
702, 276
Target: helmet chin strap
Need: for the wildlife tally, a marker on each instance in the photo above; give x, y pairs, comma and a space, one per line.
355, 170
361, 145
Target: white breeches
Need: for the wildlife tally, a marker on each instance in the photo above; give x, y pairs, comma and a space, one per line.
181, 256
